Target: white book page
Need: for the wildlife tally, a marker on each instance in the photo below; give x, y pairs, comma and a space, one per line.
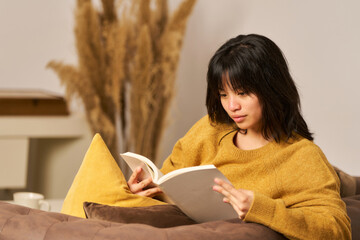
136, 160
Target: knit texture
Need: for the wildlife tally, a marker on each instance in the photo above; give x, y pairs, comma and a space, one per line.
296, 189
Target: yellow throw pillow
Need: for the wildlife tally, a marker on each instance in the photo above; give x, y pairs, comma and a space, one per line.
100, 180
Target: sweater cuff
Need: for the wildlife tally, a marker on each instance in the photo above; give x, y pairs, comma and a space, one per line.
262, 210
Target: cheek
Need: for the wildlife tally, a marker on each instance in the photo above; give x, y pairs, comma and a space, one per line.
257, 110
224, 104
259, 114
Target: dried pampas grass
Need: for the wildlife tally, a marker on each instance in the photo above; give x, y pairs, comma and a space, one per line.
128, 54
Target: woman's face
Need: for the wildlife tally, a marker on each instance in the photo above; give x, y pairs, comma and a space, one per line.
243, 108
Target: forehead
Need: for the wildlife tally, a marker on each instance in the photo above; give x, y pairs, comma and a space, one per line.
229, 84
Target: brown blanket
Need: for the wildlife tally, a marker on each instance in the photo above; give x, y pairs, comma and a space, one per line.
21, 223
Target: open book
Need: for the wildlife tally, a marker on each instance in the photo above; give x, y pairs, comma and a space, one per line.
189, 188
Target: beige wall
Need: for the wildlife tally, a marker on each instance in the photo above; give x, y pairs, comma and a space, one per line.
320, 39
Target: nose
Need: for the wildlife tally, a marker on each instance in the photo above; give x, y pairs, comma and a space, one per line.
234, 103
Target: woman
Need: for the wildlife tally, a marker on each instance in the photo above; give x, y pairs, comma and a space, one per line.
255, 134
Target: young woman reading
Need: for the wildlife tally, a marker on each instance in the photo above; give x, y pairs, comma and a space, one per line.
255, 134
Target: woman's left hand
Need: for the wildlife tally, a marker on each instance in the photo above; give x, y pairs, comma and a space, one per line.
240, 199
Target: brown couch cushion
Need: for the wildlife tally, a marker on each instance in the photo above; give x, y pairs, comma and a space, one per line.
19, 223
357, 179
353, 210
162, 216
347, 183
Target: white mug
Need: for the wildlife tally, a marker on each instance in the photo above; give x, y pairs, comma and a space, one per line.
31, 200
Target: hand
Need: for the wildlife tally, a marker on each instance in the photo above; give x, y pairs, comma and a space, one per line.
142, 187
240, 199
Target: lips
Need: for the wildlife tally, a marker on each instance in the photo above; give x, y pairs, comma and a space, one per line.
239, 118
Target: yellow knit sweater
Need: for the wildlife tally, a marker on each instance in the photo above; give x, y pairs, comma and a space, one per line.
296, 189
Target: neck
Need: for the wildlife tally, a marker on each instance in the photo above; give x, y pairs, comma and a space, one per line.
248, 140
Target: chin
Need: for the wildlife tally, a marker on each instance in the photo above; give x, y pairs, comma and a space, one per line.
242, 126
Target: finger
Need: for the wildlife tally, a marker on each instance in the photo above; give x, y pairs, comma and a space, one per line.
228, 197
225, 185
226, 189
226, 200
146, 182
151, 192
134, 176
242, 203
239, 199
240, 212
239, 206
138, 187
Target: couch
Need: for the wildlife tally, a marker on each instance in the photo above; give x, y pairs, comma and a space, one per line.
99, 205
18, 222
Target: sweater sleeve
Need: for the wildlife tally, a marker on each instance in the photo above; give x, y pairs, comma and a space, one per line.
198, 146
173, 162
308, 205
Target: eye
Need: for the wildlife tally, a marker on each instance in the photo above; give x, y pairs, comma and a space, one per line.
222, 95
241, 93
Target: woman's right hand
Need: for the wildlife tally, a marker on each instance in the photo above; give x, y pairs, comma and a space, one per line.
141, 187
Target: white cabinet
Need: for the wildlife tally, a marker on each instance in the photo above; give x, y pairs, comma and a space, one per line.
13, 162
15, 135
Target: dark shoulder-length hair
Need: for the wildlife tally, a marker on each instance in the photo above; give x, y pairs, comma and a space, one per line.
255, 64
